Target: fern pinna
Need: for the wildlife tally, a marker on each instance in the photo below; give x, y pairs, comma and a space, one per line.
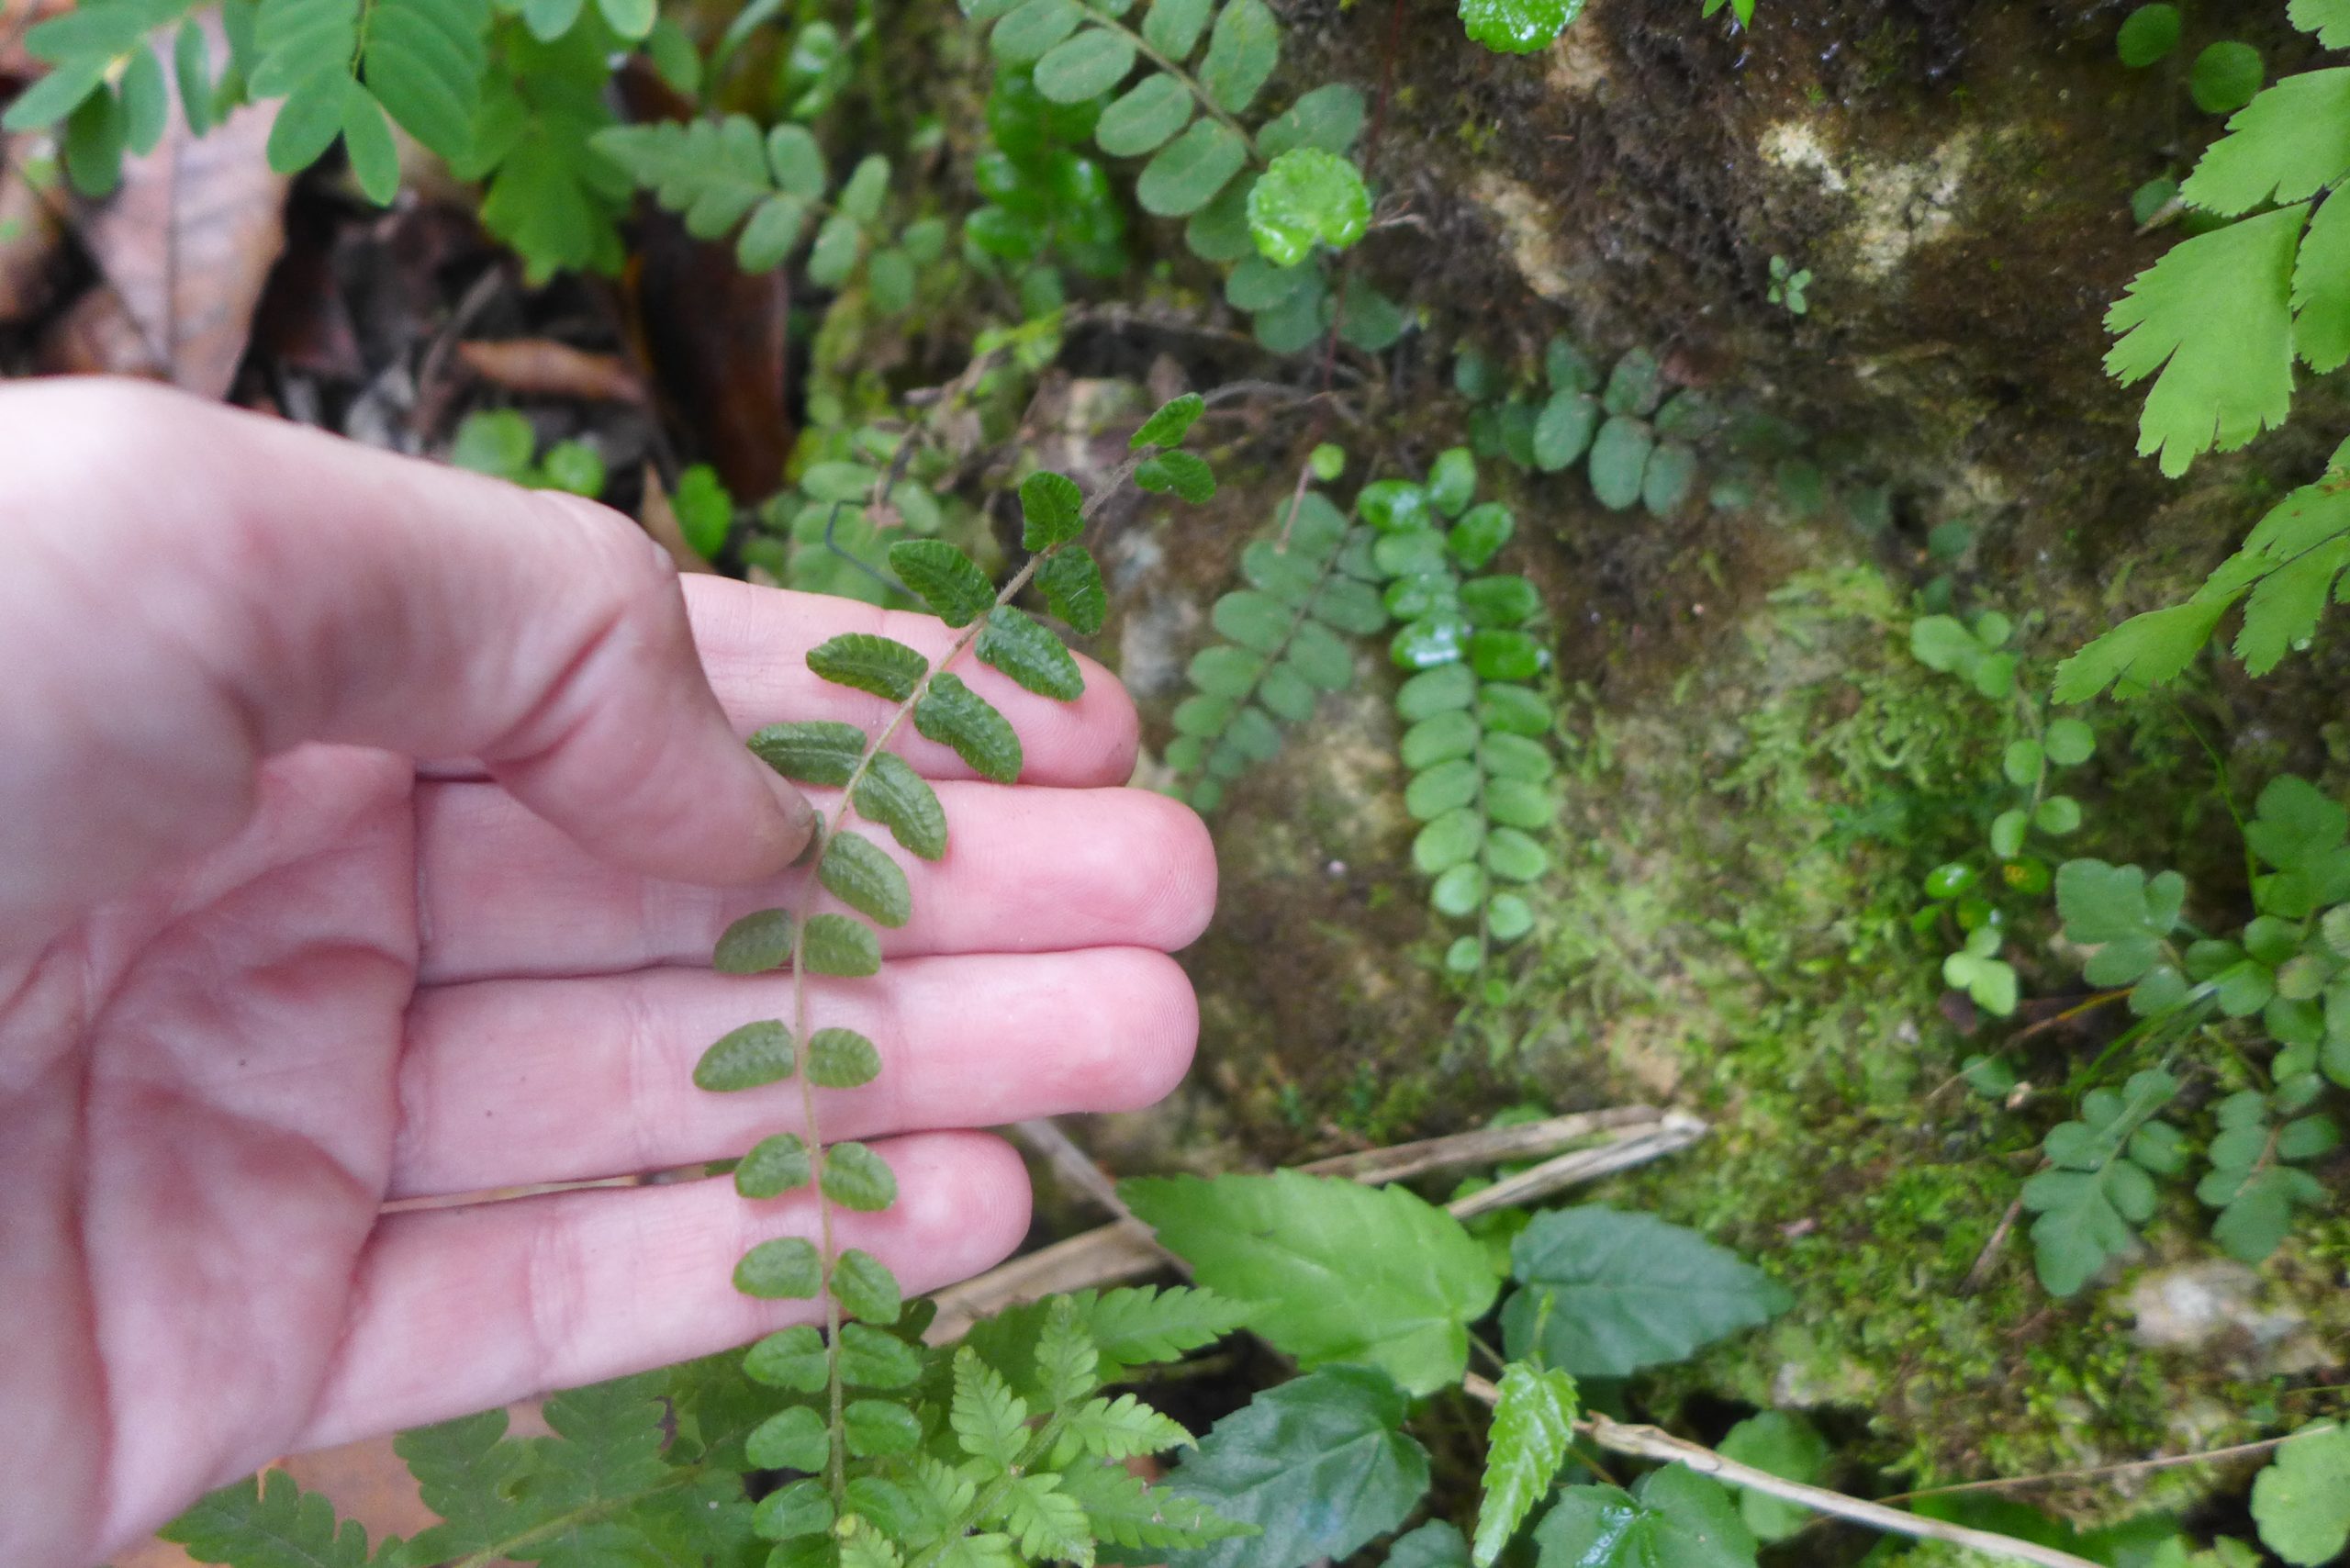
1476, 731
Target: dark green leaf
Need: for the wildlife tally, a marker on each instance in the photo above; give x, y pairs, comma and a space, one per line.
1281, 1460
943, 577
1030, 655
842, 1059
861, 874
881, 665
810, 752
746, 1057
953, 715
1672, 1516
2147, 34
1053, 510
754, 944
1611, 1292
837, 945
893, 794
1073, 588
774, 1165
1170, 424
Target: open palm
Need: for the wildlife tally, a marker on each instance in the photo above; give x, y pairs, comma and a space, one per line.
260, 980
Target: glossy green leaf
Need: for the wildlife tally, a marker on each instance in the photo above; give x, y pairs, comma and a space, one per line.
1029, 653
1516, 27
1673, 1518
1307, 198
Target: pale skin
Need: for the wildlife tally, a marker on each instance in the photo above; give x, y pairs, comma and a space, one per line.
364, 827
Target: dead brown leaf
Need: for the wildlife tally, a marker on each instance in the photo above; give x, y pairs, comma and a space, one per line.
661, 521
540, 368
184, 250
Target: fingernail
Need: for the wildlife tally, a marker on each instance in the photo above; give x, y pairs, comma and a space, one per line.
795, 820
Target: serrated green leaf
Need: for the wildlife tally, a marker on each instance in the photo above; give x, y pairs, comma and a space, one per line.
989, 1420
953, 715
1414, 1278
785, 1268
2146, 650
836, 945
2213, 316
268, 1521
1279, 1462
1125, 1513
943, 577
1533, 1426
1605, 1294
2288, 145
2329, 19
747, 1057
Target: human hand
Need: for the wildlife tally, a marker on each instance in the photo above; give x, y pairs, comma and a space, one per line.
260, 975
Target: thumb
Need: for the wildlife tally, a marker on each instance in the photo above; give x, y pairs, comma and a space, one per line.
288, 585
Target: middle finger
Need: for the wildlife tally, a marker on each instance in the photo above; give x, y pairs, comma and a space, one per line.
1027, 869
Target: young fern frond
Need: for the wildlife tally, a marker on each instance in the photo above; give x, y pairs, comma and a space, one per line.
872, 1496
1476, 741
1310, 588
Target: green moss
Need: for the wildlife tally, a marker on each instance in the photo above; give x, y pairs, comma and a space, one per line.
1736, 936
